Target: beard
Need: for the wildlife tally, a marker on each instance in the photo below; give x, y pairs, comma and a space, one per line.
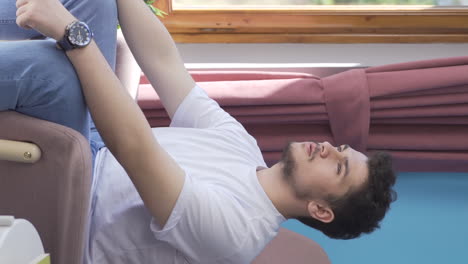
289, 166
289, 163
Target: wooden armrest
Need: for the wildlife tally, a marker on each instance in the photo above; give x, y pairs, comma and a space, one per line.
19, 151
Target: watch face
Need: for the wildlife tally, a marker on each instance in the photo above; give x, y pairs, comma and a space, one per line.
79, 34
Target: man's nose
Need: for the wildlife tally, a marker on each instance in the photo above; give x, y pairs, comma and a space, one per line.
328, 150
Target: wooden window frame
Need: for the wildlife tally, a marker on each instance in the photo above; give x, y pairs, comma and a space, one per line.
322, 24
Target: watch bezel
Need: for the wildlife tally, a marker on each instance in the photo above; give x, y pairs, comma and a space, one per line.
70, 38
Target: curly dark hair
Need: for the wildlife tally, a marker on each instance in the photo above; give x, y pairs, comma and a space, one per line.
360, 210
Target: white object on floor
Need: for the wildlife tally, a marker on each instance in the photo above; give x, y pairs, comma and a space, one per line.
19, 241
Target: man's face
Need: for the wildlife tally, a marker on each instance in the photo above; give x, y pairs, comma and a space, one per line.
317, 170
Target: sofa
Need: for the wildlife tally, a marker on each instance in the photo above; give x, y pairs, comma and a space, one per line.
416, 111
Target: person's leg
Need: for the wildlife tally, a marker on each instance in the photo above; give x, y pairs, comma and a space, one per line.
100, 15
38, 80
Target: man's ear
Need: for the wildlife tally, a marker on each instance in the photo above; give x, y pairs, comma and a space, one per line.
320, 211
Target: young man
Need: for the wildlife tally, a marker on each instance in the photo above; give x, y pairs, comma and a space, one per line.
198, 191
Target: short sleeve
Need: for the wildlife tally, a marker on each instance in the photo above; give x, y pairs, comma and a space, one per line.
206, 224
198, 110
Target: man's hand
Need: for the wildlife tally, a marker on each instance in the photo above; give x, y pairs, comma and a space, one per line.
49, 17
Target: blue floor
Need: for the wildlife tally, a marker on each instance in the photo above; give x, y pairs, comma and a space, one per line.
427, 224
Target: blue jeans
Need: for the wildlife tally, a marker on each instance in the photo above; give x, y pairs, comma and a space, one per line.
38, 80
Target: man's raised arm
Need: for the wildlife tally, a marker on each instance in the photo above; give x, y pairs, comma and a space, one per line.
156, 176
155, 52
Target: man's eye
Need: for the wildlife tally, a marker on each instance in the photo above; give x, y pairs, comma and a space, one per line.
338, 148
338, 169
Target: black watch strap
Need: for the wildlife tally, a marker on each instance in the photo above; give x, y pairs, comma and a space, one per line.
64, 43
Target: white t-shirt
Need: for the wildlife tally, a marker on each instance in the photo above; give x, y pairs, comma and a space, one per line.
222, 214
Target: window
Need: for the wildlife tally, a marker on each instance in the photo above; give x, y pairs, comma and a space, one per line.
324, 21
271, 3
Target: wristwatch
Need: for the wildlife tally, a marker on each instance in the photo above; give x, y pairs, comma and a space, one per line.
77, 35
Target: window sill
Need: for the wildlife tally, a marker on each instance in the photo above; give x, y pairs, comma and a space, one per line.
357, 24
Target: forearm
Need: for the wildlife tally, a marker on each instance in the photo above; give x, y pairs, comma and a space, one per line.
117, 117
135, 20
156, 53
156, 176
127, 133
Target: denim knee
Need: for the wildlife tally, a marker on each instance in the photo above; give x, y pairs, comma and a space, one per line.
45, 62
48, 85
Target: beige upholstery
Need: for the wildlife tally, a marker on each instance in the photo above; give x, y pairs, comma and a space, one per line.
53, 193
19, 151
